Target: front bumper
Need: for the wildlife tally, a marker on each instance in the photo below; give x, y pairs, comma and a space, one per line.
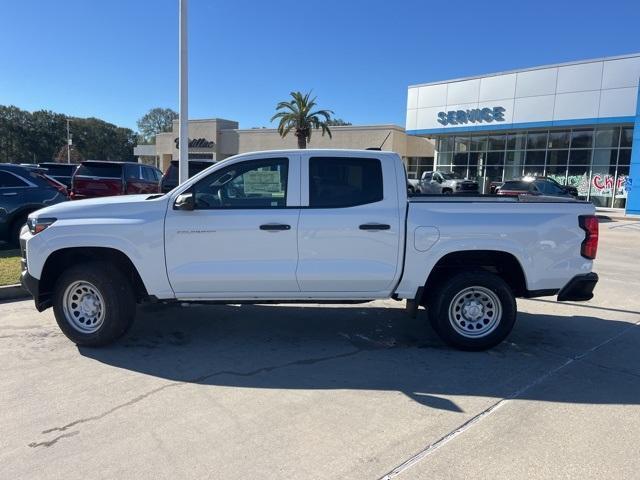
579, 289
30, 283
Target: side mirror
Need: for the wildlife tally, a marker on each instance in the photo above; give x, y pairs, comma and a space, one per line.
184, 201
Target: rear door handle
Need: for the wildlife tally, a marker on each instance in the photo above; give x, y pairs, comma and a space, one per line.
375, 226
275, 227
10, 194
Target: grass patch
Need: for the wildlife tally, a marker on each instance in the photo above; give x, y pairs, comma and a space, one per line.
9, 267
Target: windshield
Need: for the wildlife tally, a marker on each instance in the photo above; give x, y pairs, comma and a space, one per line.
451, 176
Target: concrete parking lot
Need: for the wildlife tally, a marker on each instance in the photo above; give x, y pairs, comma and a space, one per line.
331, 392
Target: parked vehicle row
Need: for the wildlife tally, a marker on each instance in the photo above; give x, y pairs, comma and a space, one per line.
95, 178
24, 190
308, 225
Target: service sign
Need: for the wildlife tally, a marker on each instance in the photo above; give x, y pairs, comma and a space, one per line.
475, 115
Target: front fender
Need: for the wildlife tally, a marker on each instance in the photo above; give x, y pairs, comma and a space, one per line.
141, 241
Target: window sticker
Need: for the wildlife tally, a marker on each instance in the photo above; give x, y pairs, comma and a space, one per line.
257, 182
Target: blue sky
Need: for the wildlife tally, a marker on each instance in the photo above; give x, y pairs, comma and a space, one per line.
116, 59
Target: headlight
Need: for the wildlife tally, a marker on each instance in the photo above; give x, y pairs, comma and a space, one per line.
36, 225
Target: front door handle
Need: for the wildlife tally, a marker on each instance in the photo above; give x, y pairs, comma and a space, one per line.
10, 194
375, 226
274, 227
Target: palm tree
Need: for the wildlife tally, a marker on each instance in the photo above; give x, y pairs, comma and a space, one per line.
297, 114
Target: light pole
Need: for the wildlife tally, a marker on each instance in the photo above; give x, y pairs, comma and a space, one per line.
183, 87
68, 143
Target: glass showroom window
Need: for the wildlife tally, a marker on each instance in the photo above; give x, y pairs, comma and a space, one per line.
595, 161
603, 173
622, 176
557, 161
534, 160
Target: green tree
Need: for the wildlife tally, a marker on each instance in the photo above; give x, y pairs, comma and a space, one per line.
338, 122
27, 137
156, 120
298, 115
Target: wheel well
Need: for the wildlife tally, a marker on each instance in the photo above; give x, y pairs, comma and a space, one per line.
501, 263
60, 260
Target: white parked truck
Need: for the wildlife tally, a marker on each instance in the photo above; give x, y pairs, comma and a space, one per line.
307, 226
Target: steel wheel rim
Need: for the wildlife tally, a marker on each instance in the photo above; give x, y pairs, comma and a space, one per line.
475, 312
83, 307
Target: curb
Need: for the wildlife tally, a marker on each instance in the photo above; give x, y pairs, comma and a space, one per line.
13, 292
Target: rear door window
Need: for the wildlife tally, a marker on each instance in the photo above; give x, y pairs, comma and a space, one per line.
134, 172
102, 170
148, 174
336, 182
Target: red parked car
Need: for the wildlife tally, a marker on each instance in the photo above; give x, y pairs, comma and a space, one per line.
95, 178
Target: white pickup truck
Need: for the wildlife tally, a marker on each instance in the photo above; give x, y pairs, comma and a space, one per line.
308, 226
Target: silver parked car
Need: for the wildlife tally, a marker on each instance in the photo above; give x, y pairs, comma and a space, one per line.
446, 183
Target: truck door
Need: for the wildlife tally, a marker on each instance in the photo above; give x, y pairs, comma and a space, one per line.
349, 229
241, 237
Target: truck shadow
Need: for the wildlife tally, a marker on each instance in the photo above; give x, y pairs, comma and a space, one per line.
372, 348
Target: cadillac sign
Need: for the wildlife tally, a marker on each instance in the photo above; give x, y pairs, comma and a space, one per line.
476, 115
196, 143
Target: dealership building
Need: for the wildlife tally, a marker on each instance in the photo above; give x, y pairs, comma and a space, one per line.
215, 139
573, 122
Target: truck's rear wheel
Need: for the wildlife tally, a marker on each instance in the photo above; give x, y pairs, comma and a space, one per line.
472, 310
94, 303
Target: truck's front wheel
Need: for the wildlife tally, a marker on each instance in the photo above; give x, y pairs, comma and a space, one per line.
93, 303
472, 310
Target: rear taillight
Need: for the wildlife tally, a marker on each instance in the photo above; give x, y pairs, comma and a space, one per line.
589, 248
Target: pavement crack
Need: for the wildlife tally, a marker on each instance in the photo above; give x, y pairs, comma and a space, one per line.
52, 442
196, 380
100, 416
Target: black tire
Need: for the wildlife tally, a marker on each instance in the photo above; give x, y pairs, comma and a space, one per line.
447, 313
118, 297
447, 191
14, 233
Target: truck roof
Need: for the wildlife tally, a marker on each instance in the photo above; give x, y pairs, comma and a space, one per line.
323, 151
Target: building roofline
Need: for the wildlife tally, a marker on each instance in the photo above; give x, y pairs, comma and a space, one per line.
334, 127
528, 69
202, 120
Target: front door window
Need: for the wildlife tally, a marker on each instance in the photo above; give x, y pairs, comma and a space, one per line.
253, 184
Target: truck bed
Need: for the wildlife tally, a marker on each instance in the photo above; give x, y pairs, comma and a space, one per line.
486, 198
